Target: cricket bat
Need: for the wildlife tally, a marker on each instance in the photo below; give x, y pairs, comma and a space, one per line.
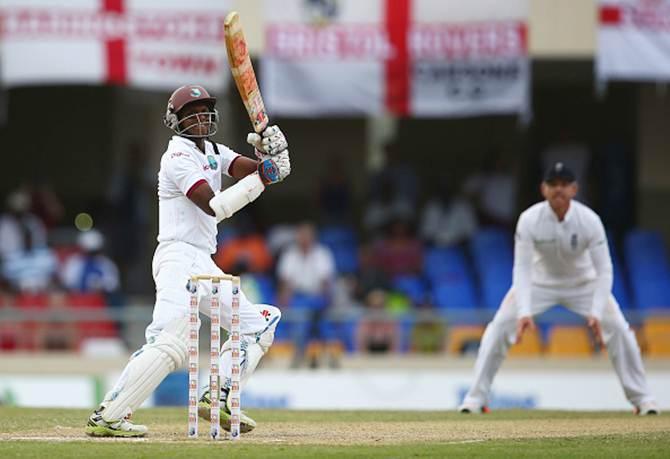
243, 72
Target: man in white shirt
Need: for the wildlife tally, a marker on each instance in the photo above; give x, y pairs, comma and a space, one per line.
306, 272
561, 256
190, 204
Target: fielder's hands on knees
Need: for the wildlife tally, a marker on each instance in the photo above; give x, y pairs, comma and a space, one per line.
594, 325
275, 169
271, 142
523, 324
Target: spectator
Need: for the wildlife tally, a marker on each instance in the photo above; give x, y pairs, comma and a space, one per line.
377, 331
31, 268
246, 251
399, 253
90, 271
18, 225
45, 204
385, 207
306, 273
494, 190
448, 218
370, 276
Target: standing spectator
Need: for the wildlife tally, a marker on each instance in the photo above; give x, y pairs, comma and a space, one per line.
306, 273
495, 191
448, 218
91, 270
377, 331
17, 222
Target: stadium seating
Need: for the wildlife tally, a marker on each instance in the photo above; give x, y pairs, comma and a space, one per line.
447, 272
569, 341
530, 345
657, 336
492, 254
649, 270
463, 337
414, 287
343, 243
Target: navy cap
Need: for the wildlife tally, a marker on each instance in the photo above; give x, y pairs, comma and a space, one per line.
559, 171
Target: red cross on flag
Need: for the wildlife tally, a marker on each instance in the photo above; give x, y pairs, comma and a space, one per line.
634, 40
152, 44
407, 57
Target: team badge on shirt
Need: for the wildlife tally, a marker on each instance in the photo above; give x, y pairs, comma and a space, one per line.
573, 241
212, 162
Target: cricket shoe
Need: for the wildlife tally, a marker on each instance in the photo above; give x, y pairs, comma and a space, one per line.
647, 408
476, 409
204, 409
98, 427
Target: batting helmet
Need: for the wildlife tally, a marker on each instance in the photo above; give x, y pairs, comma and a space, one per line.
184, 96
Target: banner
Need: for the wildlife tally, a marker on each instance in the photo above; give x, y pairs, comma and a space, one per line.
152, 44
406, 57
634, 40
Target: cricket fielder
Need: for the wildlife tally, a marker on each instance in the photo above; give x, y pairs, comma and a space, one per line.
561, 256
190, 205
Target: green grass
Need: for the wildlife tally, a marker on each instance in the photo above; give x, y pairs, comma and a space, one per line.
370, 434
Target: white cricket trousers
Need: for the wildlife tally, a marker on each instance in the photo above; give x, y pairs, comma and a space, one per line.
173, 265
620, 340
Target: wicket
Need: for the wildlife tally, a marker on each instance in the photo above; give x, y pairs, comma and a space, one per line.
215, 349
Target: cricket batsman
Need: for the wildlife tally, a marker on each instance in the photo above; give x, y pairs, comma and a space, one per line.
191, 204
561, 256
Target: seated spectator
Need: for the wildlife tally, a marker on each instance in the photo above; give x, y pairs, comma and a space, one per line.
306, 272
399, 252
18, 221
386, 207
428, 334
370, 276
448, 218
91, 270
31, 268
246, 250
377, 331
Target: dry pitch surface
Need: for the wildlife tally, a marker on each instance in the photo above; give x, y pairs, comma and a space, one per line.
59, 433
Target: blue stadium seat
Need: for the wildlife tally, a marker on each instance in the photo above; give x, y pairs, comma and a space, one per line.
343, 331
455, 292
649, 271
413, 287
491, 245
343, 243
337, 235
346, 259
444, 262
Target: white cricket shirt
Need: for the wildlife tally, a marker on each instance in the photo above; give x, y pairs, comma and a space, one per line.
550, 253
183, 168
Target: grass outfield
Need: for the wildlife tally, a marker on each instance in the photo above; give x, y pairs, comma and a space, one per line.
56, 433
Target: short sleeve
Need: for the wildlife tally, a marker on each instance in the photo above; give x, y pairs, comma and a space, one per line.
184, 171
228, 157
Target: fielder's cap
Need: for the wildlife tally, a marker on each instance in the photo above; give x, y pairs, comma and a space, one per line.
559, 171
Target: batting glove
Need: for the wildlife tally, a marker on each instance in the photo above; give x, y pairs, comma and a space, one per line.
271, 142
275, 169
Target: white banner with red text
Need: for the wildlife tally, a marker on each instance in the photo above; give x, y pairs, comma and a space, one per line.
407, 57
151, 44
634, 40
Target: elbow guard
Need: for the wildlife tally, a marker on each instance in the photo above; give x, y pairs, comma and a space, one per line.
225, 203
